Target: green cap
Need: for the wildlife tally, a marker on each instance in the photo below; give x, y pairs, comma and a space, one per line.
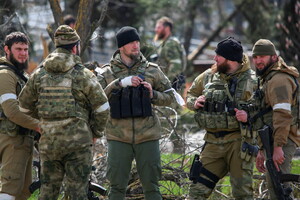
65, 35
263, 47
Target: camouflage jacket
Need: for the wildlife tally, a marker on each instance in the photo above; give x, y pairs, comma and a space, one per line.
135, 130
90, 102
171, 57
278, 86
246, 84
10, 87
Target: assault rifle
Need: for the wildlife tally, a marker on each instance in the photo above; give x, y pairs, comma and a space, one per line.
277, 177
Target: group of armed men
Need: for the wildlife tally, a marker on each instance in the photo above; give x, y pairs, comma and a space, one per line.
71, 107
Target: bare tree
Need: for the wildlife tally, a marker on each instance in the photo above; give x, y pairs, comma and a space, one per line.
84, 26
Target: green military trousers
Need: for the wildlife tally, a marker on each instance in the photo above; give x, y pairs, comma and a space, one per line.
16, 165
147, 157
289, 150
72, 166
221, 159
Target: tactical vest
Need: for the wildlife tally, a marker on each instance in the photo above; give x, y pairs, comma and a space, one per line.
56, 97
129, 101
221, 99
262, 113
7, 126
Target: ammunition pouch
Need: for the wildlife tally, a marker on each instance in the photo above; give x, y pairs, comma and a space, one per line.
216, 120
130, 102
197, 169
248, 151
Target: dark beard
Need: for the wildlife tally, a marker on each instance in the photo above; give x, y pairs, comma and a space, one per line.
20, 66
261, 72
161, 36
223, 68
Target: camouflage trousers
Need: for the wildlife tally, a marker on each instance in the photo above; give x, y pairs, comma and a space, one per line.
16, 165
147, 157
221, 159
71, 166
289, 150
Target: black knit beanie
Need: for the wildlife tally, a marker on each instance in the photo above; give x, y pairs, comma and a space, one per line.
126, 35
230, 49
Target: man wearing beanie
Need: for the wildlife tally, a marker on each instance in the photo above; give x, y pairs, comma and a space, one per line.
279, 104
73, 109
133, 85
217, 96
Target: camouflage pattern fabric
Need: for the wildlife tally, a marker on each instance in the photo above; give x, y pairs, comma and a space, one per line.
62, 137
139, 129
223, 154
65, 35
75, 164
221, 159
172, 59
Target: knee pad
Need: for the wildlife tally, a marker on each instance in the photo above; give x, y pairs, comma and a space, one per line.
4, 196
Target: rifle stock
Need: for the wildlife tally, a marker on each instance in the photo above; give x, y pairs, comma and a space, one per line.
282, 193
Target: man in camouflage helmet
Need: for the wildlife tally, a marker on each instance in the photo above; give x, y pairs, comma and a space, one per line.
171, 53
279, 90
132, 85
15, 138
217, 96
73, 110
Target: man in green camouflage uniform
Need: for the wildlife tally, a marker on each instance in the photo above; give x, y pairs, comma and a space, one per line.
171, 53
217, 96
279, 90
16, 140
73, 110
131, 135
172, 60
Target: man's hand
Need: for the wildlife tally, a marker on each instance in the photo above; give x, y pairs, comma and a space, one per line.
131, 81
149, 87
278, 157
260, 162
199, 103
241, 115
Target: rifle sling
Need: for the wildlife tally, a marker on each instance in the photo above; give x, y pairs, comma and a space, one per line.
17, 72
260, 114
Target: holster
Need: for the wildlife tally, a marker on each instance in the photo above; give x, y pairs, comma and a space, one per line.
195, 169
248, 151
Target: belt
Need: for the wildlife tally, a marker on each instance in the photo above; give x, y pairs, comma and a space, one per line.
220, 133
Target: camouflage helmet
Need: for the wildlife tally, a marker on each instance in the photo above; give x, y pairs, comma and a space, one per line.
65, 35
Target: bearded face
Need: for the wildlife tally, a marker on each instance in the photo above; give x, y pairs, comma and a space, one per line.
20, 65
160, 31
262, 63
223, 67
18, 55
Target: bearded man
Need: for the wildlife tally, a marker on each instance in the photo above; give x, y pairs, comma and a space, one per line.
15, 137
217, 96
